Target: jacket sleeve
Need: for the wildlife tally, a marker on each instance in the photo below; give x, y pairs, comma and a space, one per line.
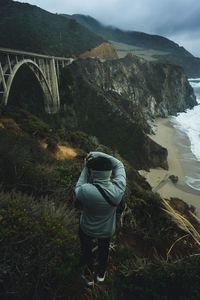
83, 178
118, 174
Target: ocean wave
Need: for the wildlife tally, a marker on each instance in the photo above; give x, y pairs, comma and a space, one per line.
195, 84
193, 79
189, 123
193, 183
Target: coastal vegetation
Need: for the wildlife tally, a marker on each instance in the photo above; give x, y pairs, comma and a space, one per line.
106, 106
155, 245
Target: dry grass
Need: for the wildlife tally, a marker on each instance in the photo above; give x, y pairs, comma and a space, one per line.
183, 224
123, 49
63, 152
60, 211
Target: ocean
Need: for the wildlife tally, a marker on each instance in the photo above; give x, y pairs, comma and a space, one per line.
188, 123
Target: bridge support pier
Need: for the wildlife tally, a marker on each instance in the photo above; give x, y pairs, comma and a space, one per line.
54, 86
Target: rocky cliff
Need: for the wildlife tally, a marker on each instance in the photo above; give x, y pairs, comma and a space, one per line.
155, 89
114, 100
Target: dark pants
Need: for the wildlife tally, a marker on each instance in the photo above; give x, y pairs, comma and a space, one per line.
87, 257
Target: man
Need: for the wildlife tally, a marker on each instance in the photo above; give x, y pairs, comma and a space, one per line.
99, 190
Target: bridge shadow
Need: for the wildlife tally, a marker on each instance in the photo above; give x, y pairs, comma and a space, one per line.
26, 92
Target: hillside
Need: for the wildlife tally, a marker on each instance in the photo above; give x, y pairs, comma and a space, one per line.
30, 28
138, 39
147, 46
155, 246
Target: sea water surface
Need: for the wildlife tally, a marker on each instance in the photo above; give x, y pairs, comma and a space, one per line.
189, 123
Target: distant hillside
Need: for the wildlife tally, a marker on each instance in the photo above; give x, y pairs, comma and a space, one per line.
27, 27
139, 39
147, 46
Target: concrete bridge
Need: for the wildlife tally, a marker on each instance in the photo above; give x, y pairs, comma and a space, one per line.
45, 68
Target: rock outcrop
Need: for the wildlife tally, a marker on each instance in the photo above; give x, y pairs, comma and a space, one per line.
156, 89
114, 101
104, 51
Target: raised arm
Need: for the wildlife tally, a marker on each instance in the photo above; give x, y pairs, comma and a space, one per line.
83, 178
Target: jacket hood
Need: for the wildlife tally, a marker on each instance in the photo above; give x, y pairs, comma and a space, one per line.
100, 176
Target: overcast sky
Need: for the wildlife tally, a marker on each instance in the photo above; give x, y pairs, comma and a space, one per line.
178, 20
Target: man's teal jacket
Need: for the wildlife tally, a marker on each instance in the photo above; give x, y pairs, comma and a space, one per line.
98, 217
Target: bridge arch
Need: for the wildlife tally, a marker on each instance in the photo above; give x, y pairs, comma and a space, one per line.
40, 76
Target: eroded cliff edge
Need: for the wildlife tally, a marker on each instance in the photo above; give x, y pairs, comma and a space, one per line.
115, 100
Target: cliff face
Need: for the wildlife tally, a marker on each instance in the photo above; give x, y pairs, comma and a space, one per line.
114, 101
156, 89
105, 51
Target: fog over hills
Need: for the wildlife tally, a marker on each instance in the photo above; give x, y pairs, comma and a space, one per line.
139, 39
30, 28
147, 46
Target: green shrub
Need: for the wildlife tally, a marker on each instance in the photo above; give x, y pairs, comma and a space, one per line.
37, 126
38, 253
68, 174
30, 123
78, 139
159, 280
26, 166
148, 220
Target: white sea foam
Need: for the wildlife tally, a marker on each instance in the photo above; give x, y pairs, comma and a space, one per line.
189, 123
193, 183
195, 84
194, 79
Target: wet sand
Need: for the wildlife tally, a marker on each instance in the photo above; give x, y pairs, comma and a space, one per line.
181, 163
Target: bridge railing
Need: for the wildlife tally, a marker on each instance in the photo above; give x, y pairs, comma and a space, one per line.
32, 54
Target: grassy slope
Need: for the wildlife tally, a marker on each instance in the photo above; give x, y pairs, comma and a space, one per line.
123, 49
40, 249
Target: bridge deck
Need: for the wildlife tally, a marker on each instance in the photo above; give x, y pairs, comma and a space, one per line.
18, 52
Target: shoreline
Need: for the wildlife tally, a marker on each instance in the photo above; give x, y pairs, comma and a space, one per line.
181, 163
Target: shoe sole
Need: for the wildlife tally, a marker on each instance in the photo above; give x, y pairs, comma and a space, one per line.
101, 279
87, 282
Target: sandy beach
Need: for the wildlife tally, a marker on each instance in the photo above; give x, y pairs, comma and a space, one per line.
181, 163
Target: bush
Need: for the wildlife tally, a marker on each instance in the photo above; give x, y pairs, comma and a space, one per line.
37, 127
78, 139
159, 280
26, 166
27, 121
148, 221
38, 253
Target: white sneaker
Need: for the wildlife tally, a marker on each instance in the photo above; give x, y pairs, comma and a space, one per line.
101, 278
88, 279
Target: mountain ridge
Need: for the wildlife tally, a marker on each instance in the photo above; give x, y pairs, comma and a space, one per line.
163, 50
141, 39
